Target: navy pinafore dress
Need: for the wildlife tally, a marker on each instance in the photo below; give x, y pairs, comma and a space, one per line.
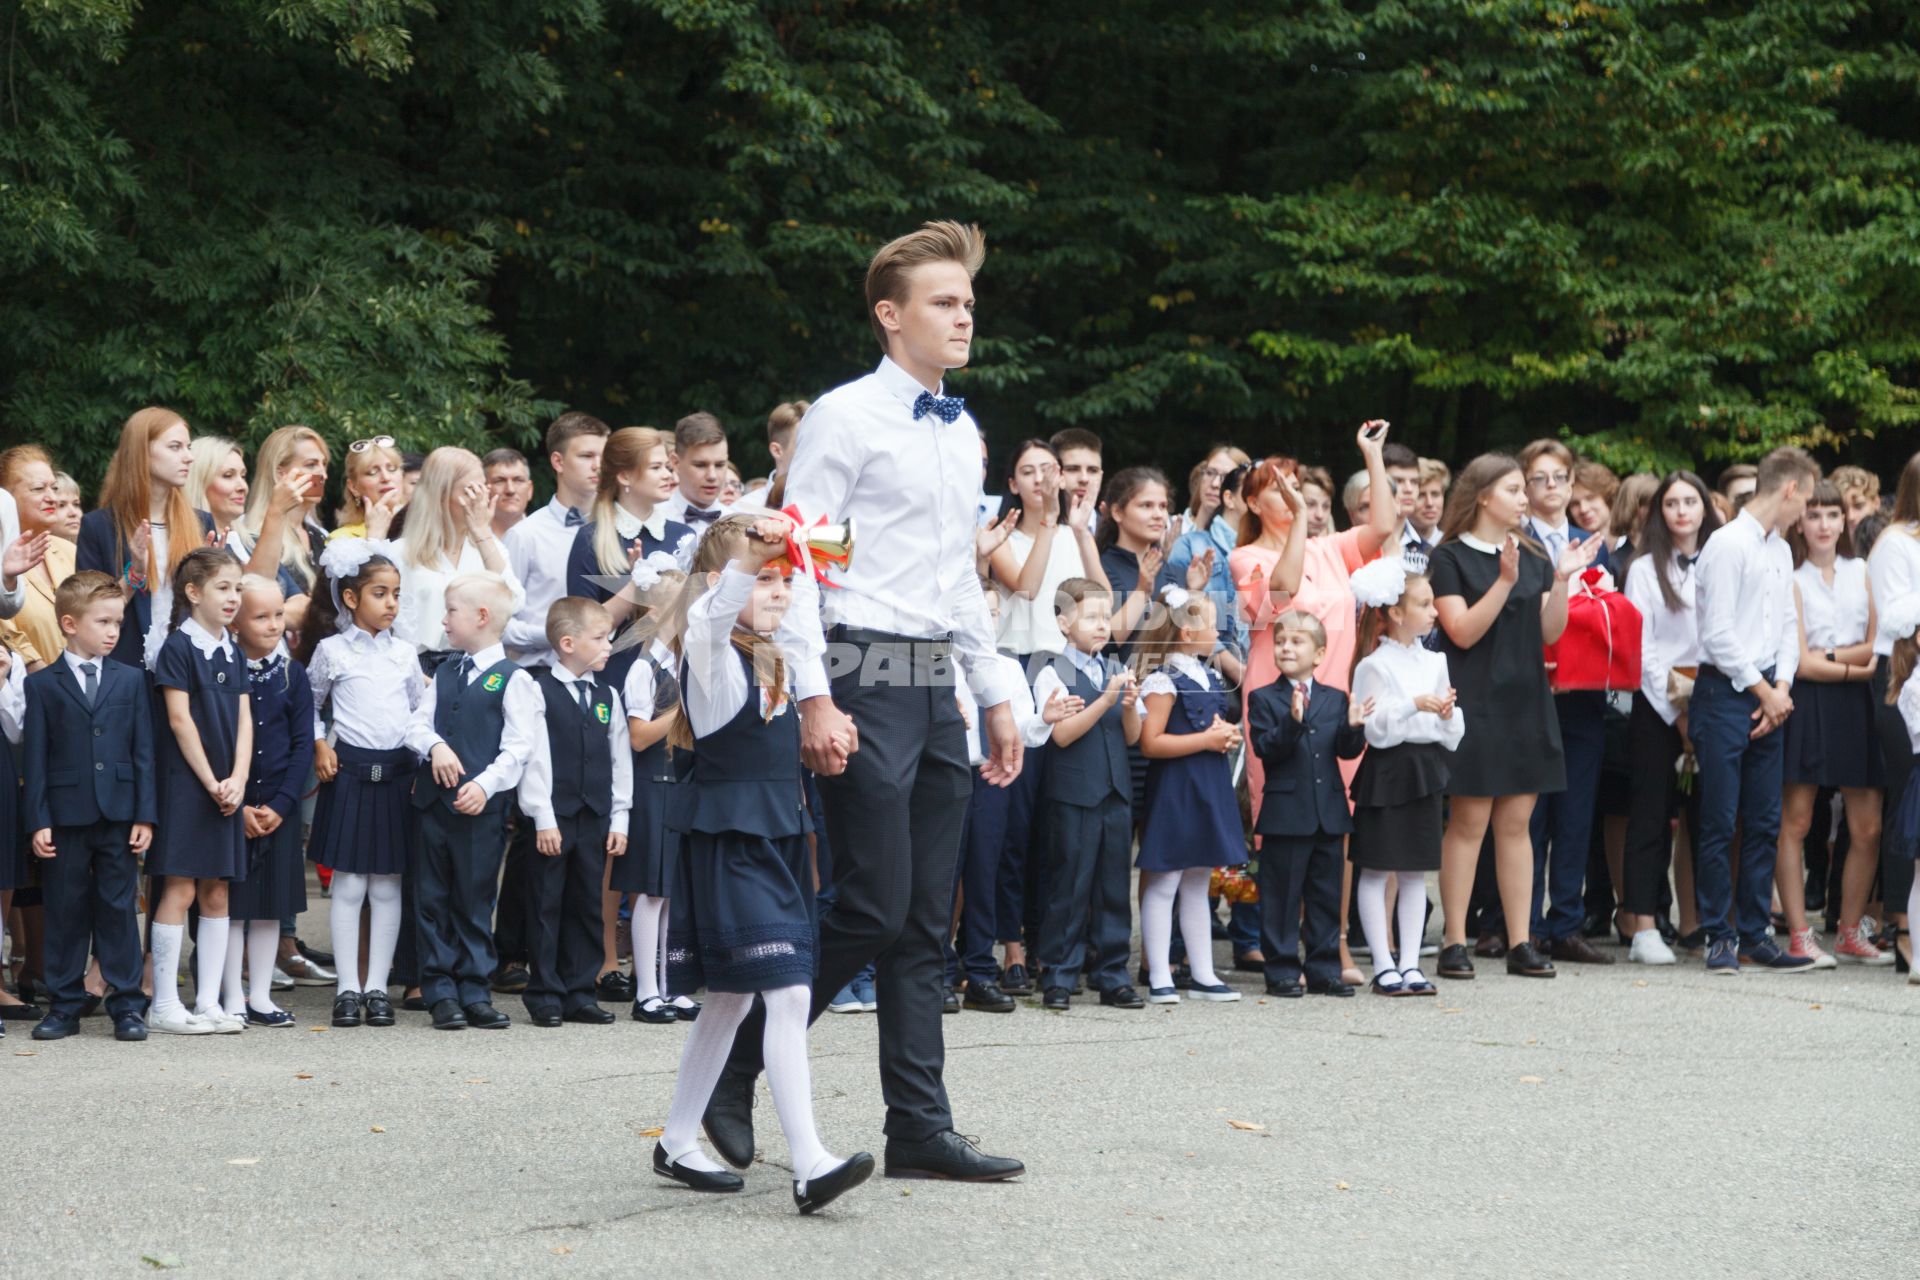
192, 838
1192, 817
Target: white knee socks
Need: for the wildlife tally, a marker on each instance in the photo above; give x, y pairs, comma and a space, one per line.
701, 1061
383, 929
649, 924
1196, 924
1156, 924
1370, 895
343, 917
167, 939
1412, 917
789, 1076
209, 962
263, 951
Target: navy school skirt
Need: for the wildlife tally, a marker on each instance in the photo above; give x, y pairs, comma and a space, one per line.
652, 846
748, 922
276, 883
1830, 738
361, 821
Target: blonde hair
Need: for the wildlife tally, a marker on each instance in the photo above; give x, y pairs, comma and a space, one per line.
268, 463
260, 582
1432, 469
1302, 621
127, 492
1158, 643
435, 536
887, 274
723, 542
627, 450
487, 591
352, 509
1848, 480
209, 455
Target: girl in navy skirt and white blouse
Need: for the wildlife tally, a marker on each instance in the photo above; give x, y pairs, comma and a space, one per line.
199, 843
748, 884
371, 681
1411, 730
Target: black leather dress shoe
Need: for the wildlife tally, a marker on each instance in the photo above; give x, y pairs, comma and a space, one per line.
1333, 988
346, 1009
949, 1003
414, 1004
949, 1156
728, 1122
1525, 961
483, 1016
695, 1179
1286, 990
1015, 981
56, 1026
129, 1026
1490, 946
1577, 950
615, 987
1250, 962
816, 1194
1456, 962
378, 1008
989, 998
512, 979
1058, 999
545, 1016
1122, 997
447, 1016
590, 1014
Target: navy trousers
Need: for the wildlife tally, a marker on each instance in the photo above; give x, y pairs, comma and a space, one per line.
1739, 780
88, 890
1300, 877
1088, 921
457, 879
1019, 882
1562, 824
970, 954
563, 915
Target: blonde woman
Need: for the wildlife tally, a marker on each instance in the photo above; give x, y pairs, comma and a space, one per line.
449, 531
375, 489
280, 531
217, 485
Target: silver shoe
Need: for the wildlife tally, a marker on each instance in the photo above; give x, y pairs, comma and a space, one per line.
305, 973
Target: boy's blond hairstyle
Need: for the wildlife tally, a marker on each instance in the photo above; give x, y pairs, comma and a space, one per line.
1296, 620
486, 591
1432, 469
887, 274
1851, 479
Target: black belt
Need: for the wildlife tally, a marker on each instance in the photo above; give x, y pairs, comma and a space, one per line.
1707, 668
862, 635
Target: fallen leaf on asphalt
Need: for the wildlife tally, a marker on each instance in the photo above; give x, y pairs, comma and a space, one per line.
160, 1261
561, 1249
303, 1075
1639, 982
26, 1053
1341, 1186
1248, 1125
379, 1128
1452, 1009
1531, 1080
478, 1080
245, 1160
1813, 1006
654, 1132
316, 1028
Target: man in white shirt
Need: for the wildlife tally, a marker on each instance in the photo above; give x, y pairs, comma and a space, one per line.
879, 722
537, 550
1749, 650
781, 425
700, 462
510, 481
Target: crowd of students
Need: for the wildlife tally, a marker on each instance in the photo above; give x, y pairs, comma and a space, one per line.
479, 722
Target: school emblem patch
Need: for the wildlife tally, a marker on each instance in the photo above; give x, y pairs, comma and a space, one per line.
493, 682
602, 712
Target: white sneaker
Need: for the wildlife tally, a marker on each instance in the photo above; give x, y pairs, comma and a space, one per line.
1649, 948
176, 1021
220, 1020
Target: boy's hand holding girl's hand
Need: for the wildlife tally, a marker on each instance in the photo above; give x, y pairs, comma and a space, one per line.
446, 766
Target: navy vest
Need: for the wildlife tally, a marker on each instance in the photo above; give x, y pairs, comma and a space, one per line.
1094, 767
1195, 705
746, 776
577, 743
470, 717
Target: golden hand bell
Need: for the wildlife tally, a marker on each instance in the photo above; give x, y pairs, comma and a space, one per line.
828, 544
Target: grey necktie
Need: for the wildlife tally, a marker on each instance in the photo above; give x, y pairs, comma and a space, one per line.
88, 670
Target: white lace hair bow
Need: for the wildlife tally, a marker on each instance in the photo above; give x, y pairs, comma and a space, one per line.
1380, 583
344, 557
645, 575
1174, 596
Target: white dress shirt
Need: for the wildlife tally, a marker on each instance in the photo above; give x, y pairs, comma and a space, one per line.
80, 677
536, 783
374, 683
423, 595
1909, 708
521, 702
10, 601
1669, 638
1833, 615
1894, 568
1393, 675
1161, 680
911, 485
639, 693
537, 549
1050, 681
13, 701
1033, 730
717, 683
1744, 597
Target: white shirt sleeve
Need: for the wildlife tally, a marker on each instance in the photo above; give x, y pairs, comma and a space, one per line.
11, 598
1892, 571
1718, 583
1643, 593
1045, 685
638, 695
1393, 710
13, 701
421, 738
1909, 708
820, 479
621, 745
535, 792
717, 684
523, 709
1034, 731
521, 544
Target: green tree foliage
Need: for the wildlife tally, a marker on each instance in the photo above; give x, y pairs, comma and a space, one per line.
1672, 229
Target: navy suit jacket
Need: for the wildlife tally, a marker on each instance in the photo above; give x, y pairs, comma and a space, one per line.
101, 547
1576, 534
88, 764
1304, 794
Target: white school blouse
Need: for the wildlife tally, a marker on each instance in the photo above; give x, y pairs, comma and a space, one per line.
717, 687
1669, 638
423, 594
374, 683
1029, 626
1834, 615
640, 694
1393, 675
1894, 569
1909, 708
536, 783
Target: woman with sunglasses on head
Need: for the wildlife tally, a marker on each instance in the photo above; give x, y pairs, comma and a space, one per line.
374, 489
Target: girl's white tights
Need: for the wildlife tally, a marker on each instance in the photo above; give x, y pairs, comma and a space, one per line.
1370, 893
649, 946
260, 941
349, 892
1196, 928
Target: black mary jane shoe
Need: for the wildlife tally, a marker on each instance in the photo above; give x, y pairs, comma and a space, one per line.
346, 1009
815, 1194
685, 1012
699, 1179
1388, 982
378, 1007
654, 1009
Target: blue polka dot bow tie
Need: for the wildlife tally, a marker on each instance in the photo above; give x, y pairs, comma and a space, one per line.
945, 408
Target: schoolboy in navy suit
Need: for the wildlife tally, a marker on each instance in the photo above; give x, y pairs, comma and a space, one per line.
1301, 729
90, 806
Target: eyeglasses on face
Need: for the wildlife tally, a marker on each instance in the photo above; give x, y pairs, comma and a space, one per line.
1548, 480
371, 442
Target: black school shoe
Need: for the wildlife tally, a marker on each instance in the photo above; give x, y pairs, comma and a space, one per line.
1122, 997
947, 1155
447, 1015
378, 1007
614, 988
1456, 962
949, 1003
816, 1194
653, 1009
346, 1009
1526, 961
591, 1015
1015, 981
511, 979
483, 1015
988, 998
1286, 990
1333, 987
697, 1179
1058, 999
